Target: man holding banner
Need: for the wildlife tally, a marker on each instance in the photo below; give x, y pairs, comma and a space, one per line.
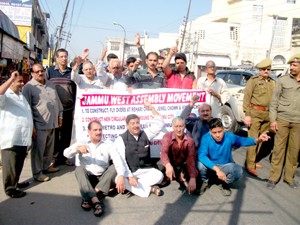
134, 148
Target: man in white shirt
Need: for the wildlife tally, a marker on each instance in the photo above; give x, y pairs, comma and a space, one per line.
16, 126
134, 148
94, 174
214, 86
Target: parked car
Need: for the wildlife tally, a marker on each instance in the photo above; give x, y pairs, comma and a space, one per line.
279, 70
232, 114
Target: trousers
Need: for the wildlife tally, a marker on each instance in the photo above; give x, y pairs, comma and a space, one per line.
12, 165
88, 182
286, 149
232, 171
145, 179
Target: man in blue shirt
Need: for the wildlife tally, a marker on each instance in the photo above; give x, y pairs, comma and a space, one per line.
215, 157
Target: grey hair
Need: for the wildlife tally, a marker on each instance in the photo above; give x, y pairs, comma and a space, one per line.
178, 119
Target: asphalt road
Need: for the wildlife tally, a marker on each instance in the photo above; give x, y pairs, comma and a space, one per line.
58, 202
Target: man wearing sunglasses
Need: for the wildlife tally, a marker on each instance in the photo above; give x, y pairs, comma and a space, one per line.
257, 97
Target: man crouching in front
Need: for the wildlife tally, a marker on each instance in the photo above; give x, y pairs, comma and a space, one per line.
94, 174
215, 155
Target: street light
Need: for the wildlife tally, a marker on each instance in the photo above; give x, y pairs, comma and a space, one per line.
117, 24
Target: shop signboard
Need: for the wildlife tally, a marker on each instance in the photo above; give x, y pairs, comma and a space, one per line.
19, 11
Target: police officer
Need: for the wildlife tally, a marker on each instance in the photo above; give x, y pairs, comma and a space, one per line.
285, 121
257, 97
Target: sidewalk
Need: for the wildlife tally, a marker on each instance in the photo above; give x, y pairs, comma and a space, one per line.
58, 202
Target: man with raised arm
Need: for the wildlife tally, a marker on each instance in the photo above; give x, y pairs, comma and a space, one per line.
16, 126
134, 147
215, 155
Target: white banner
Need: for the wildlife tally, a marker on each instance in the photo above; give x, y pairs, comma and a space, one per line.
111, 109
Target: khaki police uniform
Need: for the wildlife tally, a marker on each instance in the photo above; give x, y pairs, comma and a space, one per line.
257, 97
285, 110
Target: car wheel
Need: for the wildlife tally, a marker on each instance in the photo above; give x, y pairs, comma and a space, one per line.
229, 121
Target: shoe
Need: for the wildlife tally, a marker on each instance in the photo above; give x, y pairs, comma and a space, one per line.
225, 189
271, 184
258, 166
24, 184
293, 185
15, 193
86, 205
156, 190
252, 172
42, 178
98, 209
203, 188
51, 169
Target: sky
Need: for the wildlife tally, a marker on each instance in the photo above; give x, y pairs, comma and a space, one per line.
90, 21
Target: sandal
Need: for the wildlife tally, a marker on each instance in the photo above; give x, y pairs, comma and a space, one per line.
85, 205
156, 190
98, 209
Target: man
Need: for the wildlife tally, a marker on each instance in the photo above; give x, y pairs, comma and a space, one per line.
89, 80
47, 115
101, 66
149, 78
181, 77
177, 157
60, 75
257, 97
215, 157
285, 121
214, 86
197, 126
134, 148
16, 130
160, 63
95, 176
116, 80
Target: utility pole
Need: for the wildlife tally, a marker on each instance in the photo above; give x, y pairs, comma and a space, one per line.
60, 30
273, 34
185, 24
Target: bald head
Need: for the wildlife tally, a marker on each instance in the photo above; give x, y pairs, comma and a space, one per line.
205, 111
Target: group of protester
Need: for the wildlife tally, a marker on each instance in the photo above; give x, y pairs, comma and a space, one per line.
43, 113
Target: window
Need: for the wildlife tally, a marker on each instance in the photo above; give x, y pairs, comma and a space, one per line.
257, 12
115, 46
201, 34
280, 25
234, 78
234, 33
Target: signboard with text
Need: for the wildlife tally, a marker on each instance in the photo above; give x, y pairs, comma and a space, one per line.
111, 109
18, 11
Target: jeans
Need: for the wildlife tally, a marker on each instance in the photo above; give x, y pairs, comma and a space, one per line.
232, 171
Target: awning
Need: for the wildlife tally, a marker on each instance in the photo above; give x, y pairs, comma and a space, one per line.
8, 26
11, 48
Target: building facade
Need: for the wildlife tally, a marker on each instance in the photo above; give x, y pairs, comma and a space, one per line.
31, 23
242, 32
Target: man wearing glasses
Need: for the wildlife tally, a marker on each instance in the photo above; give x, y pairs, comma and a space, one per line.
257, 97
215, 86
60, 75
47, 115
